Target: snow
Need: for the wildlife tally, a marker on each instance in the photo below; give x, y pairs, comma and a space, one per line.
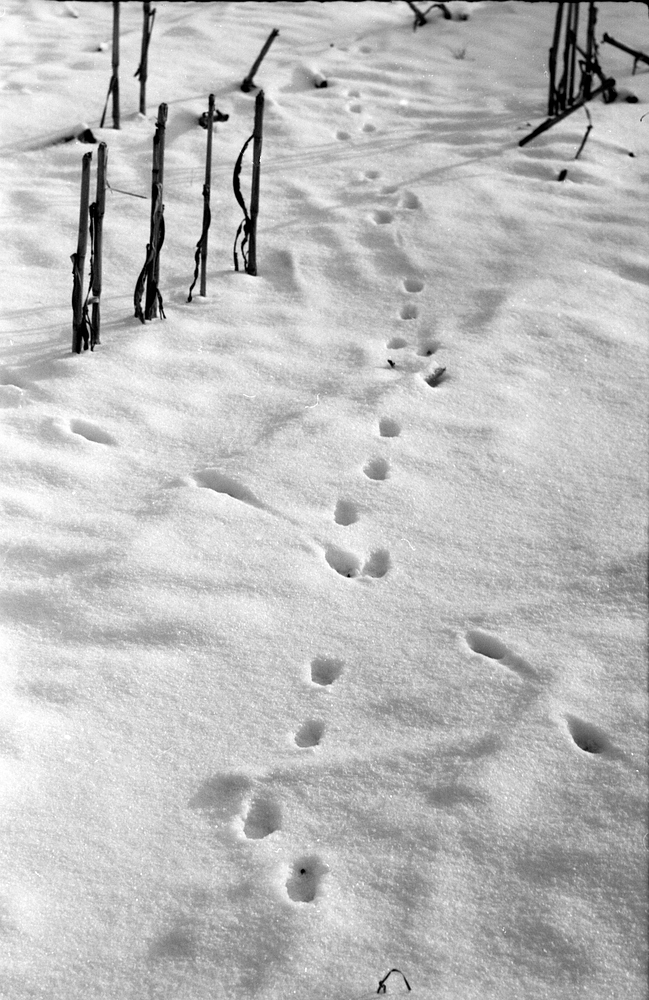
311, 669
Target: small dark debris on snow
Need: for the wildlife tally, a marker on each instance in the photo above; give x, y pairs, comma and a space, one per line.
392, 363
218, 117
562, 175
631, 154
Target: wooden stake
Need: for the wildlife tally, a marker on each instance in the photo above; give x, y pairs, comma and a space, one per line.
254, 192
99, 209
206, 195
638, 56
79, 258
544, 126
552, 97
248, 82
115, 79
587, 75
142, 70
571, 40
157, 221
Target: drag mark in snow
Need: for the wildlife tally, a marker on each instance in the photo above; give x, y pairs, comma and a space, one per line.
346, 512
377, 468
310, 733
325, 670
222, 796
90, 431
589, 738
10, 395
305, 877
212, 479
487, 644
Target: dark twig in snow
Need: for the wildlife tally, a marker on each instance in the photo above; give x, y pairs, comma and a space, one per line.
248, 82
382, 989
583, 141
637, 55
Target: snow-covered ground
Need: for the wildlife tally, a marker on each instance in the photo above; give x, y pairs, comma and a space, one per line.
311, 669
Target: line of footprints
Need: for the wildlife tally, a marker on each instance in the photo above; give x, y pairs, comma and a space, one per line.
238, 800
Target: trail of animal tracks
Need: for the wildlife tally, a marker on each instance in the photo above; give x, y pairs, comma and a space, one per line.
323, 599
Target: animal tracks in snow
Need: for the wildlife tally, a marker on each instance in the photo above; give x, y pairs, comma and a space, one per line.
377, 468
389, 427
234, 798
262, 817
489, 645
310, 733
305, 877
382, 217
409, 311
346, 512
348, 564
325, 670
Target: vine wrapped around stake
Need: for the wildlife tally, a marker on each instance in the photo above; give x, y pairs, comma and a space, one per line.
80, 331
248, 226
113, 86
141, 72
200, 257
150, 273
97, 210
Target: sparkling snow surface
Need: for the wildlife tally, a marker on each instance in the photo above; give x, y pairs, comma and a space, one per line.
309, 668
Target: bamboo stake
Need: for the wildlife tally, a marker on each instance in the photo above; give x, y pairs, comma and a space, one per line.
157, 209
206, 195
254, 192
143, 68
562, 90
100, 207
248, 82
638, 56
587, 76
115, 80
544, 126
573, 52
79, 258
552, 97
